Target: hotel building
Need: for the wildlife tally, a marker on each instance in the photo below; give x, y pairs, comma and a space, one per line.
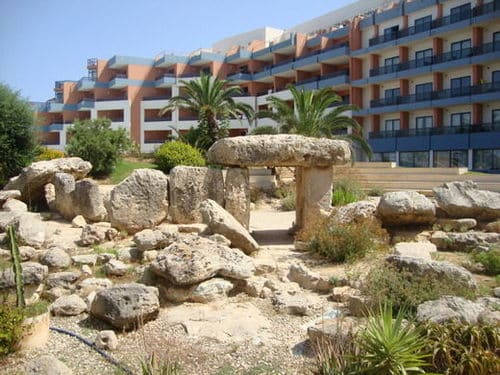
425, 75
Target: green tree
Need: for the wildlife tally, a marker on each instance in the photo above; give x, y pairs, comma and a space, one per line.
213, 102
18, 142
96, 142
310, 116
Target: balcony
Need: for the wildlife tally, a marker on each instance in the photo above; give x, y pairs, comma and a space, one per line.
166, 80
205, 57
85, 104
111, 99
85, 84
289, 42
486, 88
156, 119
239, 77
119, 81
238, 57
437, 59
157, 97
168, 60
319, 82
52, 127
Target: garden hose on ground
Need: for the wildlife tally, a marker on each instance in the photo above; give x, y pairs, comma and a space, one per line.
106, 356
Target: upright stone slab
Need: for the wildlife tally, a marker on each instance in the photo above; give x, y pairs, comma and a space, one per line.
237, 195
314, 194
189, 186
64, 185
87, 200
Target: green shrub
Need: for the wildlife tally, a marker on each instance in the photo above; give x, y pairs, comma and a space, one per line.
345, 242
463, 349
50, 154
404, 289
346, 191
11, 329
490, 260
391, 346
96, 142
18, 143
288, 203
266, 129
172, 154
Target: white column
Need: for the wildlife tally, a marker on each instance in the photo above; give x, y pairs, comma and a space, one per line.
470, 154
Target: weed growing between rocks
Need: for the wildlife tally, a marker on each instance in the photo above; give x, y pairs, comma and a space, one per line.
11, 329
346, 191
404, 289
490, 260
345, 242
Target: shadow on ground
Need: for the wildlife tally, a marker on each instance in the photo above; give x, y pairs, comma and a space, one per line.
273, 237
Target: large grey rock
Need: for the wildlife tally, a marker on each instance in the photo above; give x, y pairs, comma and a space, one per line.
222, 222
335, 329
64, 185
455, 225
14, 205
94, 234
464, 242
421, 250
68, 306
204, 292
308, 279
33, 274
140, 201
9, 194
195, 259
64, 279
33, 178
116, 268
87, 200
494, 227
126, 306
30, 230
434, 269
450, 308
93, 284
237, 195
56, 258
354, 212
406, 208
46, 365
152, 239
462, 199
106, 340
84, 259
283, 150
296, 303
189, 187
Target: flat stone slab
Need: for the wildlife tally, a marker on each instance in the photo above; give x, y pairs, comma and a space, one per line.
421, 250
281, 150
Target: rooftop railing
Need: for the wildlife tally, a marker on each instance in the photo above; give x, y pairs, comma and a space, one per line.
442, 130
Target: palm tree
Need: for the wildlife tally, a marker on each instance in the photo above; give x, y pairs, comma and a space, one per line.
214, 104
310, 117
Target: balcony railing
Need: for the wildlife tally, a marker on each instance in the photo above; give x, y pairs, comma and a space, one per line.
158, 97
188, 117
437, 95
437, 59
111, 99
156, 119
439, 22
444, 130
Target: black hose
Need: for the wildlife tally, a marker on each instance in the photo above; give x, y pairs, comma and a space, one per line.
106, 356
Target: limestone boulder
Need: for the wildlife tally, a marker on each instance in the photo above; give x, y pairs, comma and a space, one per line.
56, 259
84, 259
222, 222
153, 239
31, 230
116, 268
405, 208
307, 279
68, 306
434, 269
237, 195
282, 150
9, 194
355, 212
300, 303
94, 234
33, 274
65, 279
334, 329
14, 205
93, 284
64, 185
87, 200
421, 250
204, 292
33, 178
46, 365
140, 201
464, 242
189, 187
455, 225
494, 227
195, 259
463, 199
126, 306
450, 308
106, 340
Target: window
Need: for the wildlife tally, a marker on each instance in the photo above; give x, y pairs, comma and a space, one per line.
414, 159
450, 158
384, 156
391, 33
391, 96
461, 49
495, 79
496, 41
422, 24
460, 13
423, 91
391, 64
495, 116
59, 97
486, 159
424, 57
391, 125
460, 86
423, 122
92, 74
460, 119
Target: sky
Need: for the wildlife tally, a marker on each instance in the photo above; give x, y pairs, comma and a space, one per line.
42, 41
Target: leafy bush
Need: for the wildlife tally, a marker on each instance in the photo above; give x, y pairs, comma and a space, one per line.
286, 194
50, 154
345, 242
266, 129
404, 289
171, 154
346, 191
96, 142
11, 329
391, 346
463, 349
490, 260
18, 143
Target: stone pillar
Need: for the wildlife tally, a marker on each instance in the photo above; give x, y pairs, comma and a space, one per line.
237, 195
314, 194
64, 185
